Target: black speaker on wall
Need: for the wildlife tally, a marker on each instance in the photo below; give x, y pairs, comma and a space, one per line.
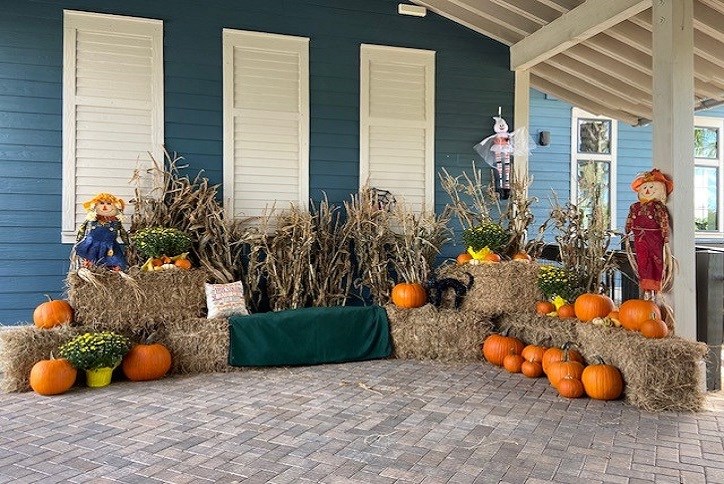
544, 138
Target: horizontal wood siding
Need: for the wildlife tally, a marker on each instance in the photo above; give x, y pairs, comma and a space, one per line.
472, 80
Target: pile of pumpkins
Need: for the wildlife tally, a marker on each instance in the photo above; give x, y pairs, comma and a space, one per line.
564, 367
639, 315
145, 361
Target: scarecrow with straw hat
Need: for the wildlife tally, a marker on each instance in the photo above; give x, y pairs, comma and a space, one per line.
648, 223
97, 243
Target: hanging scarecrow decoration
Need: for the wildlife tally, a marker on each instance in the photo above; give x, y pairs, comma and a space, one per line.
648, 224
97, 243
498, 149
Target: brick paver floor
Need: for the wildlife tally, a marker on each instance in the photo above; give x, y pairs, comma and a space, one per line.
371, 422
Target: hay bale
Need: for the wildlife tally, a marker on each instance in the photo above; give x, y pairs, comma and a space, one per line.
506, 287
428, 333
659, 374
23, 346
533, 328
105, 300
197, 345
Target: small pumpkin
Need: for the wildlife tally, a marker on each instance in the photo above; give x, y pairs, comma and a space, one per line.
602, 381
635, 311
570, 388
531, 369
522, 257
559, 370
544, 307
513, 363
146, 362
589, 306
613, 316
533, 353
52, 377
554, 354
654, 328
183, 263
52, 313
463, 258
497, 346
566, 311
491, 257
409, 295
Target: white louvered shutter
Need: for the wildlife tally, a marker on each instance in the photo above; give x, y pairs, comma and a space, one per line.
397, 123
266, 122
112, 107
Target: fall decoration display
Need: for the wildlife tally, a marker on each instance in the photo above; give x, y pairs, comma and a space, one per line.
544, 307
409, 295
146, 361
513, 363
531, 369
589, 306
635, 311
52, 313
570, 387
564, 353
497, 346
463, 258
52, 377
566, 311
654, 328
602, 381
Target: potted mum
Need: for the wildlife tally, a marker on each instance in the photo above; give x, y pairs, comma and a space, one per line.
163, 248
96, 353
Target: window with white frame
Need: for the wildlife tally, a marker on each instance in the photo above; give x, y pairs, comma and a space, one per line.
266, 121
708, 176
397, 123
593, 163
112, 107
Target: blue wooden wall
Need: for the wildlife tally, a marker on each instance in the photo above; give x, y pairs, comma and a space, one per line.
472, 81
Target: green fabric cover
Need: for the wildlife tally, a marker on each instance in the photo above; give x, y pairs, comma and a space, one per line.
309, 336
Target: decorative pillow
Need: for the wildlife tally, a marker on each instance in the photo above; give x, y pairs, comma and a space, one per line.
223, 300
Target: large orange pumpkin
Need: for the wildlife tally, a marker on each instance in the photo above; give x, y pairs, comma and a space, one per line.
602, 381
146, 362
409, 295
52, 377
589, 306
52, 313
635, 311
497, 346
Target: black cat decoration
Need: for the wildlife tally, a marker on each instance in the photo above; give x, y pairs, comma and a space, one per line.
436, 289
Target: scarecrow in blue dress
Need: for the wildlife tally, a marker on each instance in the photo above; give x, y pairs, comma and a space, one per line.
97, 239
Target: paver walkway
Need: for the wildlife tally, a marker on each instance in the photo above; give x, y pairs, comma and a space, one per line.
379, 421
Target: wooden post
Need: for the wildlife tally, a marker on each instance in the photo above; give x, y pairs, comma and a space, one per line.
673, 143
521, 115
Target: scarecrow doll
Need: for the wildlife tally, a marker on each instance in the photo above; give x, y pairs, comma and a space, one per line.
648, 223
97, 243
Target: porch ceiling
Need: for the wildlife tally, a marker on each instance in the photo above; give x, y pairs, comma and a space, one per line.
608, 73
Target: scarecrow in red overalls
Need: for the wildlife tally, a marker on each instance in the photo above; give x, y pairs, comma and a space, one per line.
648, 222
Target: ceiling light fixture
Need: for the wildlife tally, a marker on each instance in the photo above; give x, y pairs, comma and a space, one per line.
414, 10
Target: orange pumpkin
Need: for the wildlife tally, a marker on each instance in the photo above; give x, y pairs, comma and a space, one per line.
602, 381
635, 311
513, 363
654, 328
544, 307
52, 377
491, 257
497, 346
463, 258
146, 362
531, 369
409, 295
533, 353
183, 264
52, 313
522, 257
564, 369
589, 306
558, 354
570, 388
566, 311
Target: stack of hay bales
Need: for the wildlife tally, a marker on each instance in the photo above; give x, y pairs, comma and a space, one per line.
450, 334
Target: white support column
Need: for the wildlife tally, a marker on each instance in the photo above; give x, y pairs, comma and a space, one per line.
673, 143
521, 113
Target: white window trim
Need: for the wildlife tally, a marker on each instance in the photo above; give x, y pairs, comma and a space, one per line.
429, 125
230, 38
72, 21
707, 122
612, 158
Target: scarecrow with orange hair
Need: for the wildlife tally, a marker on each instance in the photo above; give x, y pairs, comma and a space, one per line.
97, 243
648, 222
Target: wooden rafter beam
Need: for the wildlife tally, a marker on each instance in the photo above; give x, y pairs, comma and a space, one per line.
571, 28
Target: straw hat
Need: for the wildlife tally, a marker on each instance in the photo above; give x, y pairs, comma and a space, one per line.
653, 175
